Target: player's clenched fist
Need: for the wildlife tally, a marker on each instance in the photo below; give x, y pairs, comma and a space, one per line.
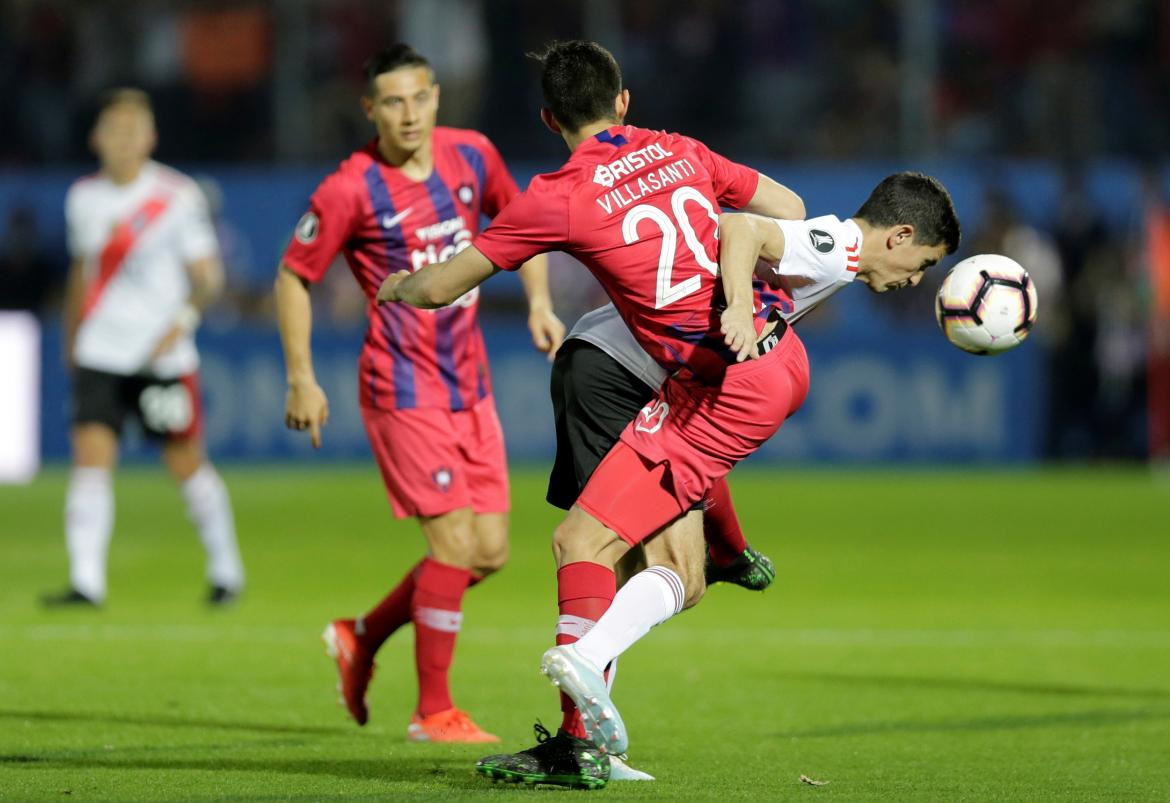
389, 289
305, 407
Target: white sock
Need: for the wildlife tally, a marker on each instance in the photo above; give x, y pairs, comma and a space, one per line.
89, 523
649, 598
578, 626
210, 509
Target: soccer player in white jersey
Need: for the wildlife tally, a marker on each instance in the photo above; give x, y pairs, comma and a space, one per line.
145, 265
907, 225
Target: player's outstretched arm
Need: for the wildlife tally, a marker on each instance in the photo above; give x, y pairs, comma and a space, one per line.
547, 330
305, 406
743, 240
773, 199
435, 286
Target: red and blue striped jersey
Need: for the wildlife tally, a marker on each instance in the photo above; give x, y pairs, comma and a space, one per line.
385, 222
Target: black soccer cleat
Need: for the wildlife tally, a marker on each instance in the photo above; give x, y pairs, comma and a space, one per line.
69, 598
220, 596
752, 570
561, 760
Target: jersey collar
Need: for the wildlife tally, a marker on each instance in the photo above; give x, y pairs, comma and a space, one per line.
602, 144
612, 135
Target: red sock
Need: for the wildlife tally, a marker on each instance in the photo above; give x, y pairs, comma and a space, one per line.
584, 592
391, 613
438, 592
721, 529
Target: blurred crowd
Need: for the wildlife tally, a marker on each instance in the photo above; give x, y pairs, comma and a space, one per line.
248, 80
1068, 81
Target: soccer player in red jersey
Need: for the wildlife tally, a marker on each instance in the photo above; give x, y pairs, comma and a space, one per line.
414, 197
640, 209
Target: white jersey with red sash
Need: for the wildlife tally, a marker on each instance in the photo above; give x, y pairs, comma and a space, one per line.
135, 241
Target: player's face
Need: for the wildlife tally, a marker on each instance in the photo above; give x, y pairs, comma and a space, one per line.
124, 137
403, 105
901, 262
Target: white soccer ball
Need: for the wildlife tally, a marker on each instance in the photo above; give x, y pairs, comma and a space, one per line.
987, 304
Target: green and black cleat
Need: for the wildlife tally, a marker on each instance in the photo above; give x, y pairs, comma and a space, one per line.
752, 570
561, 760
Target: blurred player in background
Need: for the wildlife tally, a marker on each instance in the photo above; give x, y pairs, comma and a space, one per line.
145, 266
414, 197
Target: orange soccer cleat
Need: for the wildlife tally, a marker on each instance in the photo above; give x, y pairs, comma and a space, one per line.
355, 666
451, 725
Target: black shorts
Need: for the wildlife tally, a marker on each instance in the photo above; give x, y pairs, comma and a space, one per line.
164, 408
593, 398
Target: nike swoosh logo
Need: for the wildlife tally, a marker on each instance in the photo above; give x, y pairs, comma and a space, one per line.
390, 222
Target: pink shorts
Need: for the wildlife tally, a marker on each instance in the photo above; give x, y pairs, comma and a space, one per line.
691, 435
434, 461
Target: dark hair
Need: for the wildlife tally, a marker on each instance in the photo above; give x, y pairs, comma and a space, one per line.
580, 80
916, 199
392, 58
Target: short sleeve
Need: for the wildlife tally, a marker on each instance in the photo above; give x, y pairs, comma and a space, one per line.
814, 250
330, 220
499, 186
533, 223
735, 184
197, 238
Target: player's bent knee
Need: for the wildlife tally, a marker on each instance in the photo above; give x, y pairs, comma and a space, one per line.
580, 537
490, 560
451, 538
94, 445
453, 551
183, 458
562, 543
491, 548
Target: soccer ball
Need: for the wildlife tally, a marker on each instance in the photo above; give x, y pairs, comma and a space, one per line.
987, 304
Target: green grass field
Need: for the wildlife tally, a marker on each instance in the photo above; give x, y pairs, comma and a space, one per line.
932, 636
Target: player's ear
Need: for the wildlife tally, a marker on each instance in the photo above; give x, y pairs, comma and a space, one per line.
902, 234
368, 106
621, 105
436, 88
550, 122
